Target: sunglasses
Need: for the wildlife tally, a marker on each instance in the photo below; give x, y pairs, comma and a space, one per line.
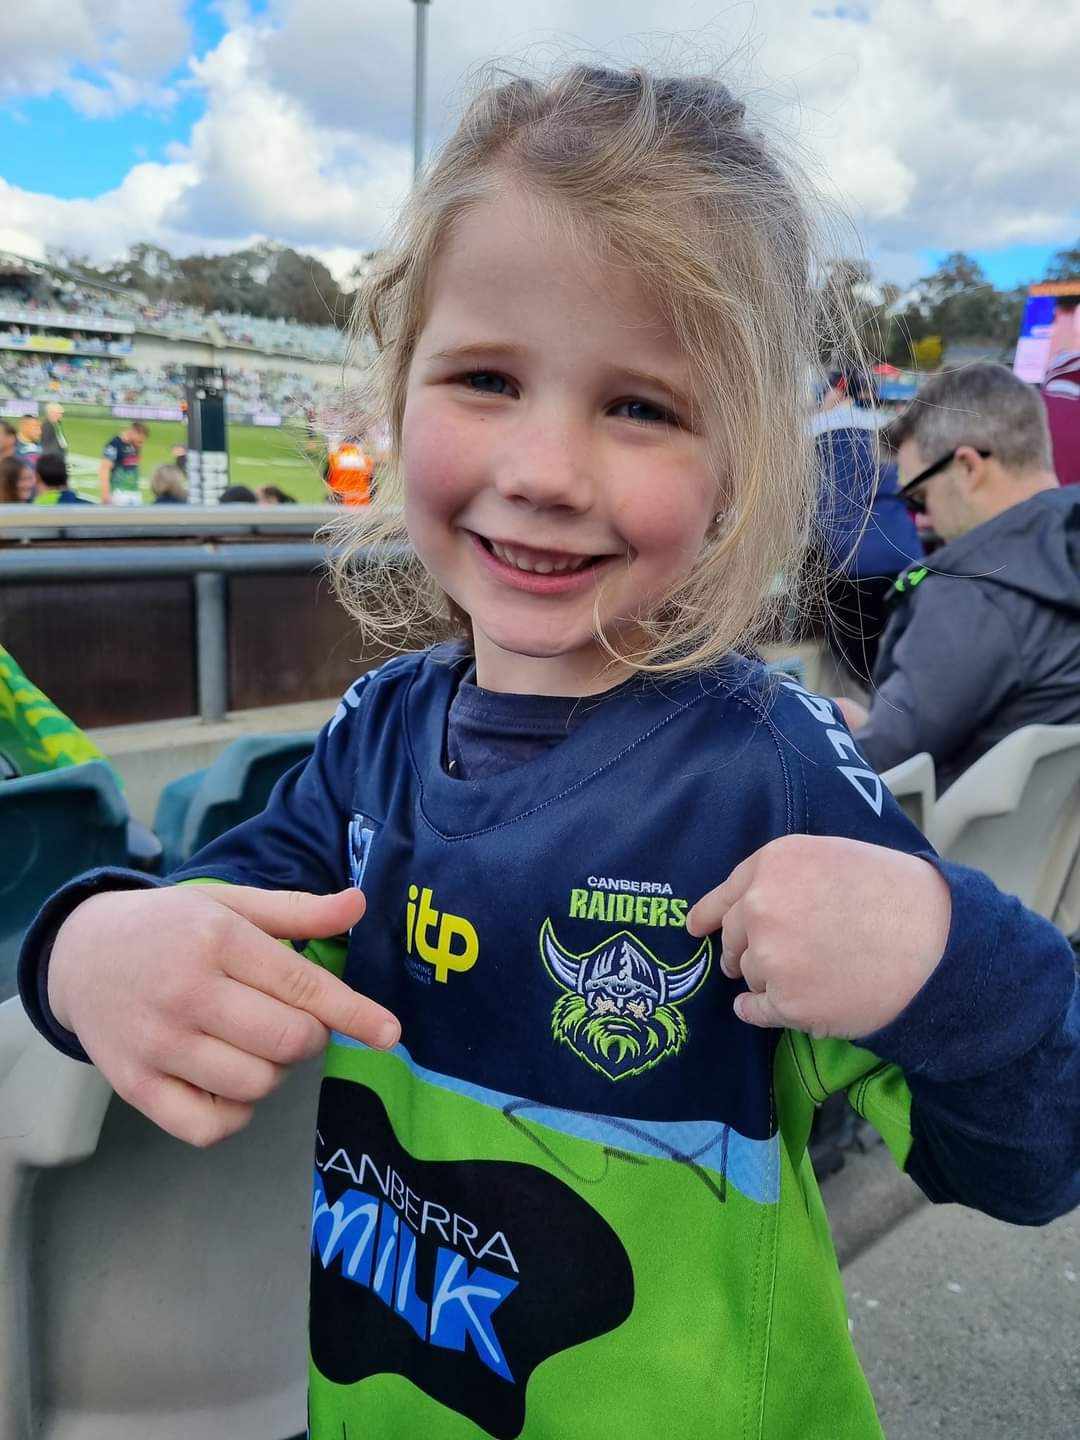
915, 504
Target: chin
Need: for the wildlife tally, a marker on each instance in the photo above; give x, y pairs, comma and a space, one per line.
534, 647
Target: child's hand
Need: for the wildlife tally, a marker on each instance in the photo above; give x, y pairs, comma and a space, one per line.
832, 936
191, 1010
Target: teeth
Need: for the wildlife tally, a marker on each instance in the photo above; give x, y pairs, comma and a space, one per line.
522, 561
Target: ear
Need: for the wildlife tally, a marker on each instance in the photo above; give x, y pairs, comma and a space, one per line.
971, 467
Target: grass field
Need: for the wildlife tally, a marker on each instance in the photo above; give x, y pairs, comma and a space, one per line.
257, 456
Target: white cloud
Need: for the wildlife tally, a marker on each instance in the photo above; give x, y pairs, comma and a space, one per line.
936, 123
130, 46
940, 124
135, 210
263, 164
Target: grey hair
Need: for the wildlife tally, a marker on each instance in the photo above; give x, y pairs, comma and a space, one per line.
169, 480
981, 405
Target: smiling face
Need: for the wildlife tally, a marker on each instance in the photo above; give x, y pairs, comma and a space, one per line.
548, 446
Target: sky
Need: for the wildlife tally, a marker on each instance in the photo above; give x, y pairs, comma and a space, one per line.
204, 125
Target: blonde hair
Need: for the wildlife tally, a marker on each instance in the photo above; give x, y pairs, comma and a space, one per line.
669, 178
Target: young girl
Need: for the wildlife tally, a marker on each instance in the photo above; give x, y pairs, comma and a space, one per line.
623, 895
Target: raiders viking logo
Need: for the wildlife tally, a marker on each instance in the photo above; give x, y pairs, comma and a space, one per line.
620, 1010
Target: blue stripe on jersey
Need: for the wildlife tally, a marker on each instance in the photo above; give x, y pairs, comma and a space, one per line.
752, 1166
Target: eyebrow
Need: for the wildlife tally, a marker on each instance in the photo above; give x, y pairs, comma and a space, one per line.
480, 349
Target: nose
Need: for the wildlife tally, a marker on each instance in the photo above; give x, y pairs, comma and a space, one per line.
546, 465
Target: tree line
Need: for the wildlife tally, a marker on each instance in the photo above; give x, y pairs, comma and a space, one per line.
955, 303
267, 280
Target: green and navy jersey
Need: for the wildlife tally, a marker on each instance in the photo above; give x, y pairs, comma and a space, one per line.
575, 1200
123, 458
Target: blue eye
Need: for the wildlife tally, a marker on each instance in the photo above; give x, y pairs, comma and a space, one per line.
487, 382
642, 412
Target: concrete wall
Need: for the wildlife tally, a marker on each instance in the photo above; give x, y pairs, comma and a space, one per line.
149, 756
157, 350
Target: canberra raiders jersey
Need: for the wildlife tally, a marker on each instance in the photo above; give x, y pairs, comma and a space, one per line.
574, 1201
123, 458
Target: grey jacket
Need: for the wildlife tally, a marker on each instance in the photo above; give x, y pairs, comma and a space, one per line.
984, 639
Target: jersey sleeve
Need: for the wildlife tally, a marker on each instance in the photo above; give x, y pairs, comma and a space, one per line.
975, 1086
298, 842
111, 452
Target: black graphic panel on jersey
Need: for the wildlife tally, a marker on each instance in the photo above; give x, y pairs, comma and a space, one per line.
461, 1275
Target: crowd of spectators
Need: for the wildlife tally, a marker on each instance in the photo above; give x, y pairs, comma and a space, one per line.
29, 302
315, 342
100, 382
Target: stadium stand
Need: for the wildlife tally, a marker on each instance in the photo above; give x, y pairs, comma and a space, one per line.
65, 339
316, 342
101, 382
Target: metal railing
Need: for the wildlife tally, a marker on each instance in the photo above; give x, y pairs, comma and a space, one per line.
209, 566
30, 524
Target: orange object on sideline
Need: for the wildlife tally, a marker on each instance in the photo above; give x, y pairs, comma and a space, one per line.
349, 473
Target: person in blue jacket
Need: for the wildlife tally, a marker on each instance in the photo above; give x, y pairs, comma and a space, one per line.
600, 908
867, 537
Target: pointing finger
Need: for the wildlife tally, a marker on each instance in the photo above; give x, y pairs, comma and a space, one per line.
710, 911
291, 914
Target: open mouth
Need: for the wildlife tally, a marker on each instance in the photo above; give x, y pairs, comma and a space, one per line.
540, 572
539, 562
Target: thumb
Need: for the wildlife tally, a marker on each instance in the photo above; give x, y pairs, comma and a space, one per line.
291, 914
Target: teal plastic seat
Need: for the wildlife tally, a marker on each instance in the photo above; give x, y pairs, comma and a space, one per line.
199, 807
52, 827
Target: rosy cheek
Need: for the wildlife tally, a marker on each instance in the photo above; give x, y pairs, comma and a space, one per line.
440, 451
660, 524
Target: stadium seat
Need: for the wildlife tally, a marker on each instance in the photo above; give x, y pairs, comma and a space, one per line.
1016, 815
913, 784
198, 807
147, 1289
52, 827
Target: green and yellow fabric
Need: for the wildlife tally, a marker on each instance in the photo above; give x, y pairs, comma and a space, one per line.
35, 735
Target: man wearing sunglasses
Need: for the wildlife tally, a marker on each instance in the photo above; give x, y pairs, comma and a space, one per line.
984, 636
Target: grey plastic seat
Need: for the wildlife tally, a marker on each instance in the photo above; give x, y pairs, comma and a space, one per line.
1016, 815
791, 666
147, 1289
1066, 915
913, 785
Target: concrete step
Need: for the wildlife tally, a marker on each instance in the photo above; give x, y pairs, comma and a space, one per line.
967, 1328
